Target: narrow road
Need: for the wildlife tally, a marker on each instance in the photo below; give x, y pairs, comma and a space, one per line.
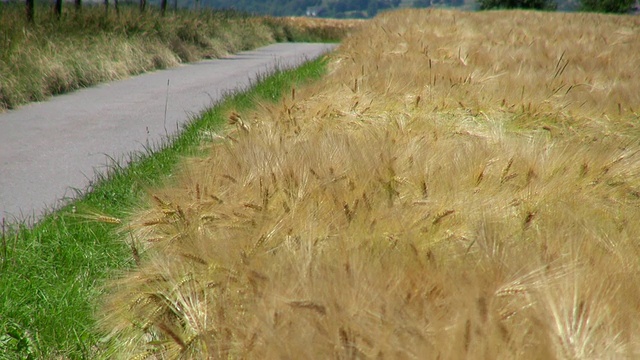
48, 149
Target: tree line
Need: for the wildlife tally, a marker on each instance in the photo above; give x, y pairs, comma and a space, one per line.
604, 6
349, 8
57, 7
320, 8
369, 8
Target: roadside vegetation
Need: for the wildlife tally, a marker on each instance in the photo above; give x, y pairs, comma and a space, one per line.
55, 54
52, 274
459, 185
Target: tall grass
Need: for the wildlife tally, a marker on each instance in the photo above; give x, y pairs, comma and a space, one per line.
81, 49
461, 185
52, 274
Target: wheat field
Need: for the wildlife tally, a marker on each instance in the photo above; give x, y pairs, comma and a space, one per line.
459, 185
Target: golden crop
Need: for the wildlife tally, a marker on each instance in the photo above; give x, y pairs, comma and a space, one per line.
460, 185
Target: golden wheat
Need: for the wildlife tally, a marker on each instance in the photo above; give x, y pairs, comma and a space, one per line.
460, 185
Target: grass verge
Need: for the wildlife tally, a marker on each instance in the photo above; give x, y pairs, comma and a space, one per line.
51, 274
54, 56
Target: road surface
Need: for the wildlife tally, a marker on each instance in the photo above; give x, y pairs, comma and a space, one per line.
48, 149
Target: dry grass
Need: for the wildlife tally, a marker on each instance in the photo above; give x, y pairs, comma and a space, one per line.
60, 55
446, 192
328, 29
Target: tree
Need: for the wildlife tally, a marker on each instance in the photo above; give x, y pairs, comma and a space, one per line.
115, 6
30, 11
607, 6
518, 4
57, 8
163, 7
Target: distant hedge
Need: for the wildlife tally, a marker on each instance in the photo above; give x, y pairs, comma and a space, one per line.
607, 6
518, 4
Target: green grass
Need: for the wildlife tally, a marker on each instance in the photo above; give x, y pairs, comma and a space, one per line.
51, 273
54, 56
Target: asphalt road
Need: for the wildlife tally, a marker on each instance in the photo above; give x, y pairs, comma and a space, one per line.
48, 149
